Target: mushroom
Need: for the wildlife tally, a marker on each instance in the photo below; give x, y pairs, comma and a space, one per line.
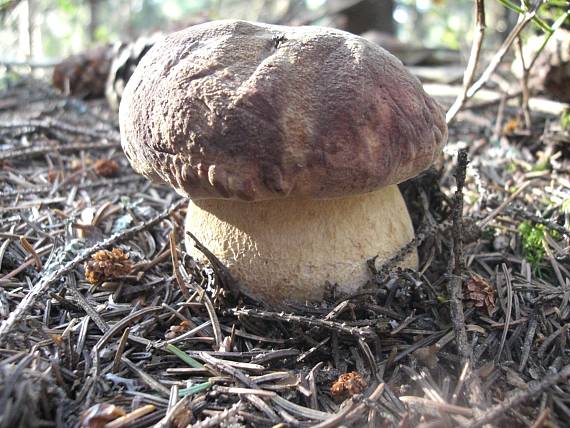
290, 143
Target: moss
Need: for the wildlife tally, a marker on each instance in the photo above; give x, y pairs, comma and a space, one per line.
532, 236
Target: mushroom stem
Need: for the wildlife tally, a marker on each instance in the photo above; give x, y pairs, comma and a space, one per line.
287, 249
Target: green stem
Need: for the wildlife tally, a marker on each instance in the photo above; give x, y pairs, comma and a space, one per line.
555, 27
537, 20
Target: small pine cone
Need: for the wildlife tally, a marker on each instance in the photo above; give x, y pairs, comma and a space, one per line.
479, 293
348, 384
177, 330
105, 265
106, 168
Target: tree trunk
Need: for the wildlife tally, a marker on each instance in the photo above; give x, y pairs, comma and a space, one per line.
93, 19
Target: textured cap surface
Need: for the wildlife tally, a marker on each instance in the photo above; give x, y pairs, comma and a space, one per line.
249, 111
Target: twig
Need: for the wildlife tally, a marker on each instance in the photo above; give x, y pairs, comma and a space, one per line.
500, 115
503, 205
478, 36
146, 378
175, 267
532, 392
550, 224
434, 407
491, 67
365, 332
50, 124
60, 148
178, 408
508, 311
30, 249
131, 417
352, 412
561, 19
456, 282
222, 272
524, 85
216, 421
84, 304
112, 183
117, 328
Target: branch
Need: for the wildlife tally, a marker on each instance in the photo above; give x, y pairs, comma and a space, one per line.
455, 284
524, 85
478, 36
493, 64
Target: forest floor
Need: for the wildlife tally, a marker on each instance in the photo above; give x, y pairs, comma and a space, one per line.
479, 335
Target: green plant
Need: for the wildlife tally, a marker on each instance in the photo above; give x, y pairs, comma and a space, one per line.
532, 237
533, 248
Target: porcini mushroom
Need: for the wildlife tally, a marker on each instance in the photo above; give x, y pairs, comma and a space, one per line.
290, 143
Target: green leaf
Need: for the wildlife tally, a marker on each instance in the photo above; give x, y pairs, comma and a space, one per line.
510, 5
67, 6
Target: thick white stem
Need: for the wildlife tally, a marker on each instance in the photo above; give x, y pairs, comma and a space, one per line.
288, 249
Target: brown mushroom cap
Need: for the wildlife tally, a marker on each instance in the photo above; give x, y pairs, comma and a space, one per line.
248, 111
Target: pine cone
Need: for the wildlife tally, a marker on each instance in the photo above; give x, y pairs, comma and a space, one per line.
106, 167
479, 293
348, 384
105, 265
84, 75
